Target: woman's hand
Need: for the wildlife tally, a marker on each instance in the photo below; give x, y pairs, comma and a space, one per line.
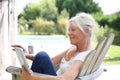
29, 56
19, 46
25, 75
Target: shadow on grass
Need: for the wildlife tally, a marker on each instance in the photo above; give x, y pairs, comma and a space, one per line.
115, 60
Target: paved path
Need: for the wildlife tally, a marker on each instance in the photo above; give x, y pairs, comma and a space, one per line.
113, 73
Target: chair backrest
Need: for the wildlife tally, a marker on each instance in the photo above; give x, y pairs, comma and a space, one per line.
98, 49
87, 63
103, 52
95, 57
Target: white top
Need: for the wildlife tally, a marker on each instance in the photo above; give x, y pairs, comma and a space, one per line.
65, 64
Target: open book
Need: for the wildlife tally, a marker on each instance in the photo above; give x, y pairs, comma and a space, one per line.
23, 61
22, 58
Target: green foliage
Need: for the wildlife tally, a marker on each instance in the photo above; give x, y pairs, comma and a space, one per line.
101, 18
48, 10
108, 23
113, 53
104, 31
62, 26
62, 21
21, 25
114, 21
22, 22
21, 29
63, 14
31, 11
43, 27
117, 38
75, 6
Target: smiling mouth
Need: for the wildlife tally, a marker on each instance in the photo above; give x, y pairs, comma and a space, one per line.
71, 39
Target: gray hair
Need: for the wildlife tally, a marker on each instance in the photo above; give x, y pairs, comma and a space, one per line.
84, 21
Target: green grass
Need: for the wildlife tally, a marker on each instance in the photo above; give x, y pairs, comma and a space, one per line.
113, 55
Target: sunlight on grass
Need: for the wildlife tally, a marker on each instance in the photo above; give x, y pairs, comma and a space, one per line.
113, 55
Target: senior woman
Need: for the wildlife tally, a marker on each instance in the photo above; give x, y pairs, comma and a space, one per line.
79, 30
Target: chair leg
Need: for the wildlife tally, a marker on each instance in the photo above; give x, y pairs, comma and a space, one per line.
15, 77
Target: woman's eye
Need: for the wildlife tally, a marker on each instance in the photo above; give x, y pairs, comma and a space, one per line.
73, 29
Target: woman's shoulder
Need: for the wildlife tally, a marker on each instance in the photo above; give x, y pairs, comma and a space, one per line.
67, 51
72, 48
82, 55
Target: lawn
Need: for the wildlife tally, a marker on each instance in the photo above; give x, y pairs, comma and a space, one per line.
113, 55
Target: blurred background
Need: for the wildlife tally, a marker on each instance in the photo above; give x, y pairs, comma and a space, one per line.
42, 24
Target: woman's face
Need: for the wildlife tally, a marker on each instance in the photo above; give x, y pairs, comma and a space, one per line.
76, 35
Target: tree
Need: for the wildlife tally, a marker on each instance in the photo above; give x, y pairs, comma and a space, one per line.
101, 19
114, 21
45, 9
48, 10
31, 11
62, 21
75, 6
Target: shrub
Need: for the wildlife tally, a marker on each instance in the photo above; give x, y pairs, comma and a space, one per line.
62, 26
104, 31
43, 27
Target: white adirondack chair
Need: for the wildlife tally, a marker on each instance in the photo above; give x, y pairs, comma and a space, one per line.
92, 65
91, 68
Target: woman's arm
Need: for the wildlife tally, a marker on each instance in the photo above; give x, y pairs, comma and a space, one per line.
73, 71
70, 74
57, 59
31, 76
29, 56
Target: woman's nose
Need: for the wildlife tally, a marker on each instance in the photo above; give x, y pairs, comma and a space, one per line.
68, 32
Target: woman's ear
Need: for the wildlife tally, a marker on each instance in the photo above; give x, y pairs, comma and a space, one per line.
87, 31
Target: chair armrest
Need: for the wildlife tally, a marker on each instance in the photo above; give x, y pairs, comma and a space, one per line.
17, 70
92, 76
13, 70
